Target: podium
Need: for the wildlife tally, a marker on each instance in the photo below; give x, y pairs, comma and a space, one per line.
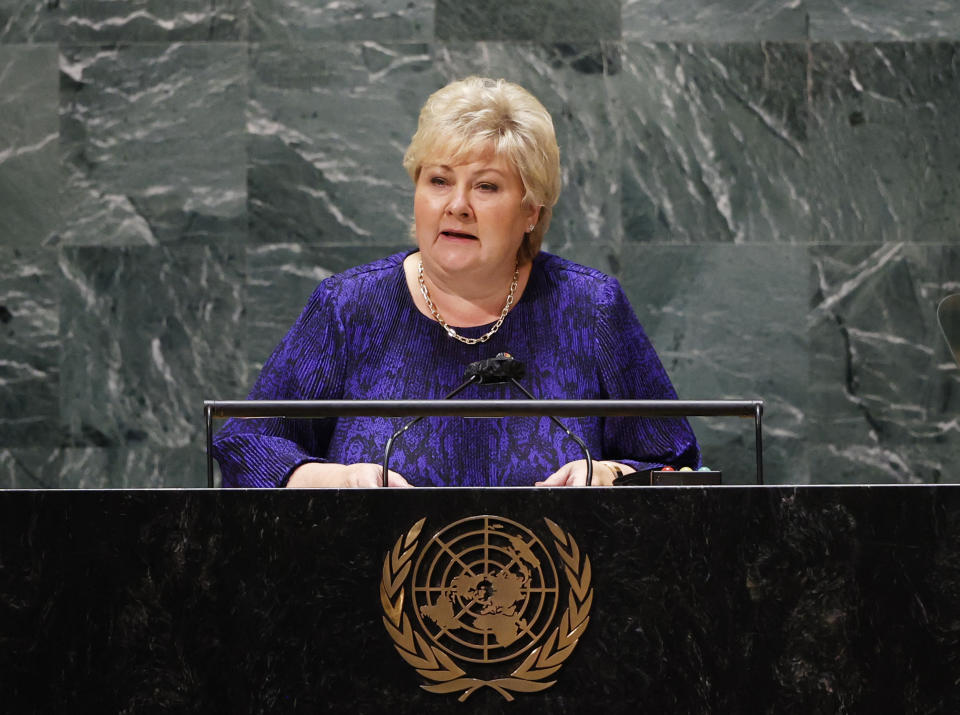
701, 599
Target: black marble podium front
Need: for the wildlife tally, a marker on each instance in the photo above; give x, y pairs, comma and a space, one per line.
716, 599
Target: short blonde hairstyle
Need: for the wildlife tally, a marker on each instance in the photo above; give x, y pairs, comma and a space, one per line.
477, 114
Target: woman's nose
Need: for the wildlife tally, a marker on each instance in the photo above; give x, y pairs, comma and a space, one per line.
459, 205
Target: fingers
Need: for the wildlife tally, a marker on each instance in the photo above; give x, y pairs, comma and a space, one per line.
574, 474
365, 475
563, 477
338, 476
396, 480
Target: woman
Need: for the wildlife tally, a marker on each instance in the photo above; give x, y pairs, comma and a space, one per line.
486, 170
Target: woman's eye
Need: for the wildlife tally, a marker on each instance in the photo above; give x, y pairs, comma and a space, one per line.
438, 181
488, 187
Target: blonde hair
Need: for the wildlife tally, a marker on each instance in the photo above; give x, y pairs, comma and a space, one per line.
476, 114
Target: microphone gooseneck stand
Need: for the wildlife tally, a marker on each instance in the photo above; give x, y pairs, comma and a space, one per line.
386, 452
571, 435
497, 370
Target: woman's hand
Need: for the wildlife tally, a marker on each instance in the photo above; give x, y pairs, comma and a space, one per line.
323, 474
574, 474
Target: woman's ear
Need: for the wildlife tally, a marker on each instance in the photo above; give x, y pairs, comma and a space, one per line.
535, 211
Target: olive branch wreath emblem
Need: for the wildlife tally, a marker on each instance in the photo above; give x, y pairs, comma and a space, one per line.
435, 665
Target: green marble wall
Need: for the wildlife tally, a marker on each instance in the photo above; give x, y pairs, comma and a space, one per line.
776, 183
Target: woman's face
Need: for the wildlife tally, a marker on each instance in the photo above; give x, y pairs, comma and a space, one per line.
470, 216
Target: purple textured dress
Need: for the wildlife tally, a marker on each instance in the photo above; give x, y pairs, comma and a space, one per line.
361, 337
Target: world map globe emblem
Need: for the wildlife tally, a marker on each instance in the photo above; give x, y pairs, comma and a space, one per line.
485, 589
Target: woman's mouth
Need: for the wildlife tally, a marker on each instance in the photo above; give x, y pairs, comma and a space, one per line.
459, 235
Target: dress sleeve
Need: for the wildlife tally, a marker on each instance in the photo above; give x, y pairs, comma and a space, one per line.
631, 370
306, 365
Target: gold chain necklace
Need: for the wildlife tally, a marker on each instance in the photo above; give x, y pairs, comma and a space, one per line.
453, 333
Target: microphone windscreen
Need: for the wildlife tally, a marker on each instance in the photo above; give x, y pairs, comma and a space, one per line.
502, 368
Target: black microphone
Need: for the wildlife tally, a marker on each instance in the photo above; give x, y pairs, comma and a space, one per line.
503, 368
492, 371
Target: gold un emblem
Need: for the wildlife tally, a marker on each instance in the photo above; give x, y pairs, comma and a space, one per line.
484, 594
